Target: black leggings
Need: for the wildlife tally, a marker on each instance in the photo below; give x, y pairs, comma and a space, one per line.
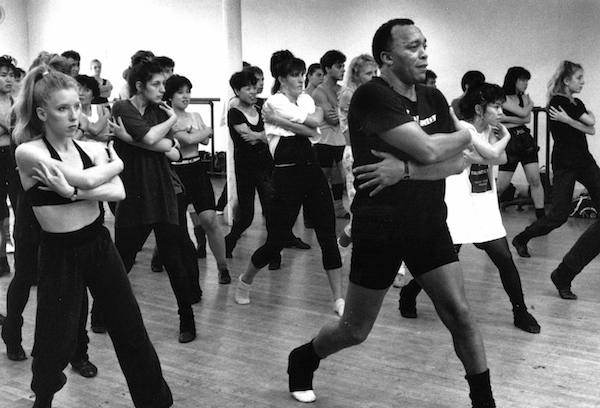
499, 253
296, 186
248, 180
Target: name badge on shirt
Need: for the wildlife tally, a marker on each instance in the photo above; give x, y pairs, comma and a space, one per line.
480, 179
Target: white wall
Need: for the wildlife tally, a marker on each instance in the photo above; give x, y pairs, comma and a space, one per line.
13, 31
487, 35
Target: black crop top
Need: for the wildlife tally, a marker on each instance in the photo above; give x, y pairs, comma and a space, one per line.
521, 104
38, 197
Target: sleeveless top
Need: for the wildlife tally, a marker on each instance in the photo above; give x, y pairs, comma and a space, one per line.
521, 104
38, 197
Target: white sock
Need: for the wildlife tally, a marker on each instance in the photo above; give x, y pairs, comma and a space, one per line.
242, 292
338, 306
304, 396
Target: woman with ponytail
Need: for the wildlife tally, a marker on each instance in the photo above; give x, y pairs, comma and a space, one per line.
572, 161
64, 182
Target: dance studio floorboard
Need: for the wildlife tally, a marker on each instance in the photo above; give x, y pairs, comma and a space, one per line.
240, 356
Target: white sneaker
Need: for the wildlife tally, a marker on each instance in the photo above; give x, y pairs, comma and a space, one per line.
242, 292
10, 248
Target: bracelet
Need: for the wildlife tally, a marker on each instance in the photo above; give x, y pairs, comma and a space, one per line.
406, 171
74, 196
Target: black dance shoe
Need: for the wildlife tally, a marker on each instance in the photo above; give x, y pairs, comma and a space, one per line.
564, 288
15, 353
521, 248
85, 368
296, 243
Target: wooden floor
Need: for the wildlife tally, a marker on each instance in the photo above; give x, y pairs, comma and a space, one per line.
240, 356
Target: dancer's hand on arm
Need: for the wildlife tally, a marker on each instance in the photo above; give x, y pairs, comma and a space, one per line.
118, 128
272, 117
54, 179
428, 149
29, 156
161, 130
391, 170
250, 136
522, 112
559, 115
496, 146
330, 112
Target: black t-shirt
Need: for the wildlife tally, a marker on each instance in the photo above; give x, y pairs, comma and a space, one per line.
376, 108
257, 154
147, 175
570, 145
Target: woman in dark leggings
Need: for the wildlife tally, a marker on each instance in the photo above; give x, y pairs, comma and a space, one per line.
572, 161
473, 212
291, 122
155, 199
253, 162
64, 181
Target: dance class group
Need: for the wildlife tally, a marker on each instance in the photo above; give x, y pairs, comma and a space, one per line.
368, 143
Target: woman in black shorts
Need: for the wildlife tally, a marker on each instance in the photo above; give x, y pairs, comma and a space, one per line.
190, 130
522, 148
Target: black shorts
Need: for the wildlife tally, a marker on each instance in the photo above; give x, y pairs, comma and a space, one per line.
521, 149
198, 188
328, 156
382, 240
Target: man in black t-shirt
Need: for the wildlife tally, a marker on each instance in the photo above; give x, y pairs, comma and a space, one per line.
395, 220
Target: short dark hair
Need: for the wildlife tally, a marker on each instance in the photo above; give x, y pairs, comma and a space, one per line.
90, 83
241, 79
7, 62
382, 40
480, 94
330, 58
429, 74
19, 72
471, 78
510, 80
174, 84
255, 70
143, 73
165, 62
72, 54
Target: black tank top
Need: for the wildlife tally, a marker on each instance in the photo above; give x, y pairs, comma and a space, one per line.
38, 197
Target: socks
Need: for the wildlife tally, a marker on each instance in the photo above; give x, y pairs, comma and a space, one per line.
539, 213
302, 363
481, 390
242, 292
338, 306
